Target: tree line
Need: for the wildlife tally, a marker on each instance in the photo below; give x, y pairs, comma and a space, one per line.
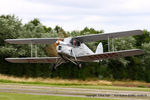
128, 68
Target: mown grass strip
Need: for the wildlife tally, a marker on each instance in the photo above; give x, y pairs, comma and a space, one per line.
15, 96
78, 85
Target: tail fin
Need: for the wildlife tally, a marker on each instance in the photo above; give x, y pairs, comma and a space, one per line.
99, 48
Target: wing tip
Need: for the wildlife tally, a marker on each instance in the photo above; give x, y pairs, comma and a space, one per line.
6, 40
138, 51
141, 51
8, 60
140, 31
9, 41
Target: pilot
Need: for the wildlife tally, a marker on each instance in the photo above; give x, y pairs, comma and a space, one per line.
74, 42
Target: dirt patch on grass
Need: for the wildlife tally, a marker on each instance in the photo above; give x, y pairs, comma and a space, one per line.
131, 83
59, 81
56, 80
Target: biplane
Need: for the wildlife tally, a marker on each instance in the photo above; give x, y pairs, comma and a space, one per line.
73, 49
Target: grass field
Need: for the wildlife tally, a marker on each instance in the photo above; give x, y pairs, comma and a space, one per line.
14, 96
90, 84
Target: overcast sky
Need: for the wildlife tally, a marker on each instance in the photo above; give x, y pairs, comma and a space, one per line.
109, 15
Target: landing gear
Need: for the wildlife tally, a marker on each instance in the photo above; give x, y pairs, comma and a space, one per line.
59, 61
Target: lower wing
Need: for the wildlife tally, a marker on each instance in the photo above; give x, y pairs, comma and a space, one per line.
108, 55
34, 60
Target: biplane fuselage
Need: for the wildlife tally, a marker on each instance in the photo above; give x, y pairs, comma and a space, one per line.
72, 47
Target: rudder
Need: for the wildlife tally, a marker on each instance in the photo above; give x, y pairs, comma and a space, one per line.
99, 48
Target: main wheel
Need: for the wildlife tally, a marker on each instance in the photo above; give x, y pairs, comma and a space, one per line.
53, 67
79, 65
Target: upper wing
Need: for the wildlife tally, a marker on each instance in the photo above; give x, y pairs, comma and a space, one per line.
85, 38
32, 40
33, 60
116, 54
104, 36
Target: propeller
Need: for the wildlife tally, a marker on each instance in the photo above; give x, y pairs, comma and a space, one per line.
51, 49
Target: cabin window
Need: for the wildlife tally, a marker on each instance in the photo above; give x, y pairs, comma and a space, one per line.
75, 42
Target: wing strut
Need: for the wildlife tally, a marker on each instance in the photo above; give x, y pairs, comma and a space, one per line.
31, 48
108, 44
74, 55
112, 48
35, 50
